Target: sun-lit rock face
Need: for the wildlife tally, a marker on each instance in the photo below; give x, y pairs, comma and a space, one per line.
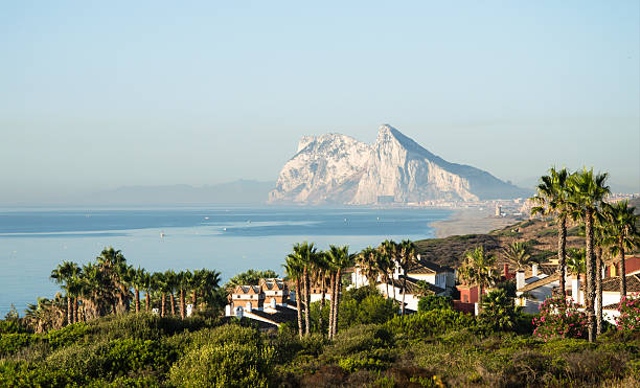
337, 169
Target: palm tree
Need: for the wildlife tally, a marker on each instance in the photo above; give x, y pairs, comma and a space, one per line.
171, 280
367, 260
95, 296
519, 254
478, 269
340, 259
389, 249
293, 269
137, 280
208, 286
407, 260
160, 282
385, 265
320, 268
552, 199
184, 278
587, 193
576, 263
622, 235
305, 253
147, 284
194, 282
64, 274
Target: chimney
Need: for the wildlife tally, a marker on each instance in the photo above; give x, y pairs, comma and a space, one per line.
534, 270
520, 280
505, 270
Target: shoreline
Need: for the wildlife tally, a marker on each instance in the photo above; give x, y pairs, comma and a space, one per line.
470, 221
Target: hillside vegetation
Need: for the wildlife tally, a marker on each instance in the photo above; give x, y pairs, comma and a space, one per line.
542, 235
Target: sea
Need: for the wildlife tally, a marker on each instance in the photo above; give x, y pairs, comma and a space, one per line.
33, 241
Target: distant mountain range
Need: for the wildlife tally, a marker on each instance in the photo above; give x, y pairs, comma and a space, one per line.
338, 169
238, 192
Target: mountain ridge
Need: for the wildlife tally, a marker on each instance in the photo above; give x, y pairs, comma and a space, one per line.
338, 169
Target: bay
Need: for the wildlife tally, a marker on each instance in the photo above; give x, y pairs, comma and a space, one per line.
228, 239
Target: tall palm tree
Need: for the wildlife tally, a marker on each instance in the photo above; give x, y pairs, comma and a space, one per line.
385, 265
184, 278
160, 282
136, 279
367, 260
208, 286
148, 286
587, 192
321, 268
552, 199
64, 275
518, 253
389, 250
407, 260
194, 282
340, 260
171, 280
305, 253
293, 269
478, 269
622, 235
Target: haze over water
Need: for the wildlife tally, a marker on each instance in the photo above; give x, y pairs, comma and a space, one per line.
227, 239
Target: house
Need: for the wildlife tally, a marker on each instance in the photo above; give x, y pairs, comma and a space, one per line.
437, 280
268, 303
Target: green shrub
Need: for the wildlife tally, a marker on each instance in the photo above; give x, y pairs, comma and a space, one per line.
230, 356
66, 336
499, 312
362, 347
365, 308
11, 343
434, 302
430, 323
24, 374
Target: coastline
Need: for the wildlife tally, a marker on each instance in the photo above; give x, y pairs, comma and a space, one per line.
471, 221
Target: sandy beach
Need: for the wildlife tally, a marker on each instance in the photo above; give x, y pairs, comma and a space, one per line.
470, 221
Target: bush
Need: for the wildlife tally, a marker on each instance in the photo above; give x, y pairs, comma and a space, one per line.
559, 318
11, 343
434, 302
229, 356
499, 312
430, 323
629, 308
365, 308
66, 336
362, 347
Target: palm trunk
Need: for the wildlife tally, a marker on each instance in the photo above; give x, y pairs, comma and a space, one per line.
338, 291
386, 283
162, 305
332, 308
562, 255
148, 301
480, 292
623, 270
182, 311
299, 306
137, 295
599, 290
173, 304
75, 309
322, 303
590, 264
69, 310
404, 292
194, 300
307, 301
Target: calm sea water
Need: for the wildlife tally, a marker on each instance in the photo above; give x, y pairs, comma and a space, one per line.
229, 240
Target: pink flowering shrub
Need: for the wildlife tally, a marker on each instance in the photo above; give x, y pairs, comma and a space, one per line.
629, 309
559, 319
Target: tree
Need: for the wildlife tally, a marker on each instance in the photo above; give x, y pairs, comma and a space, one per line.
293, 269
407, 260
552, 199
340, 259
138, 278
587, 192
478, 269
304, 253
321, 267
171, 283
160, 282
184, 282
499, 313
367, 260
519, 254
64, 275
576, 262
622, 235
389, 250
249, 278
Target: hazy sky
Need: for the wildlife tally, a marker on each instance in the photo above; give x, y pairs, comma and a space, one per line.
97, 95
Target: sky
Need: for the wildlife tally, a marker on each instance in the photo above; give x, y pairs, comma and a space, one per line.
98, 95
